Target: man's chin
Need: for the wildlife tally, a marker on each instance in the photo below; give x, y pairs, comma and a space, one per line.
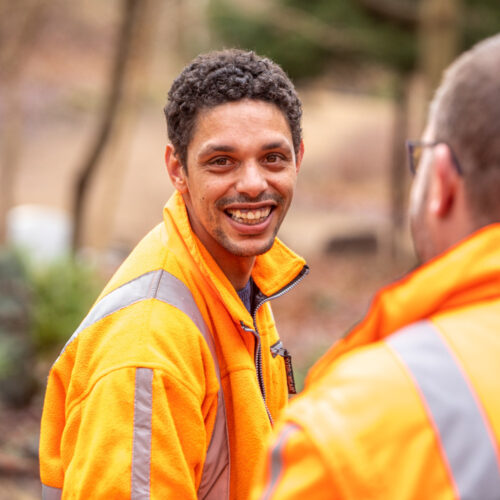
250, 249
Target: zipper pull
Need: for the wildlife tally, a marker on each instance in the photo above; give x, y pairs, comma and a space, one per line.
247, 328
278, 349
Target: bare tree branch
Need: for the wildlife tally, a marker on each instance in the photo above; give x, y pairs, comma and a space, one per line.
130, 10
398, 11
291, 19
106, 196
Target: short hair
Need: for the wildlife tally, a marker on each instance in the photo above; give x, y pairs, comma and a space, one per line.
225, 76
465, 113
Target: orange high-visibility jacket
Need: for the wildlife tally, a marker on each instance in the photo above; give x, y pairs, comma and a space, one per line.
132, 399
408, 405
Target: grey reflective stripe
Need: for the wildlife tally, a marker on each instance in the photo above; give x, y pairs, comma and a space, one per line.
277, 460
141, 288
49, 493
463, 432
214, 483
141, 448
165, 287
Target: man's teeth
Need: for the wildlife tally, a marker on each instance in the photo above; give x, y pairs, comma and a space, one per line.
250, 216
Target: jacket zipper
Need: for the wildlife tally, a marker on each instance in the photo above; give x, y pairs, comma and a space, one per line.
258, 349
258, 366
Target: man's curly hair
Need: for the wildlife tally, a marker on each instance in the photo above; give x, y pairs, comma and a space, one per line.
224, 76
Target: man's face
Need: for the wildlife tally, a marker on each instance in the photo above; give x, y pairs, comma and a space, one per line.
241, 175
418, 206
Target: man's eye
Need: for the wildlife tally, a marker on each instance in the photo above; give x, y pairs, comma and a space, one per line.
221, 161
273, 158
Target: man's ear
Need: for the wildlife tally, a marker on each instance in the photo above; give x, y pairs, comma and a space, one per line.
300, 156
176, 171
444, 183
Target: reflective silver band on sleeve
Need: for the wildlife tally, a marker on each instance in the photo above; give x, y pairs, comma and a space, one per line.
214, 483
49, 493
163, 286
141, 445
140, 288
215, 478
462, 430
277, 460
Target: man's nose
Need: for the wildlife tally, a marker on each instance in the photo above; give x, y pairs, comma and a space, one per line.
251, 180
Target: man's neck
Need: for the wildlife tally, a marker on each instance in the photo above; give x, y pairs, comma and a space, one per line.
237, 269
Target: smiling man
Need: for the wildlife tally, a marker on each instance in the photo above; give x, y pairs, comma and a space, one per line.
169, 387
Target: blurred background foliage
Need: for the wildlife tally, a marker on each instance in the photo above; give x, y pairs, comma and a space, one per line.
17, 353
40, 304
360, 36
481, 19
63, 293
355, 32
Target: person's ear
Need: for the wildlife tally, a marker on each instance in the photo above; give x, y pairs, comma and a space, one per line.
176, 171
445, 182
300, 156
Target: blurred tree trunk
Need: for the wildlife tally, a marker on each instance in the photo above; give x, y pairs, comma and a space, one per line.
398, 179
117, 155
438, 35
438, 38
130, 16
20, 23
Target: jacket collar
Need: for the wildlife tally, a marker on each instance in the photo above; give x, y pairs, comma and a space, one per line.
273, 271
466, 273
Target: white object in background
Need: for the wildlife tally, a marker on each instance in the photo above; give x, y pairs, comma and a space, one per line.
44, 232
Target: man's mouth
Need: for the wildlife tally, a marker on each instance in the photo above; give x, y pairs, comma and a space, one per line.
248, 216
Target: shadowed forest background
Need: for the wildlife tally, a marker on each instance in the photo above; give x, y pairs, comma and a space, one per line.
82, 177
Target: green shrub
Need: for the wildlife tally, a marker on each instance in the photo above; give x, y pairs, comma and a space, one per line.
41, 304
17, 353
63, 292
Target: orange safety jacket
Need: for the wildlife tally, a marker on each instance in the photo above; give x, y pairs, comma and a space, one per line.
408, 405
132, 407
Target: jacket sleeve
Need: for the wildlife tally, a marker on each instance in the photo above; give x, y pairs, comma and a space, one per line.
139, 433
293, 469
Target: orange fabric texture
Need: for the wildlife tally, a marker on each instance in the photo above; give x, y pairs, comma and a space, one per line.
88, 418
362, 428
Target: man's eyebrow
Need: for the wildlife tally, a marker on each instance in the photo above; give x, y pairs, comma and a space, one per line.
275, 145
215, 148
226, 148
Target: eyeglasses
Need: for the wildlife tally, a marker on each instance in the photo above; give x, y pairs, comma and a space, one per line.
415, 150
